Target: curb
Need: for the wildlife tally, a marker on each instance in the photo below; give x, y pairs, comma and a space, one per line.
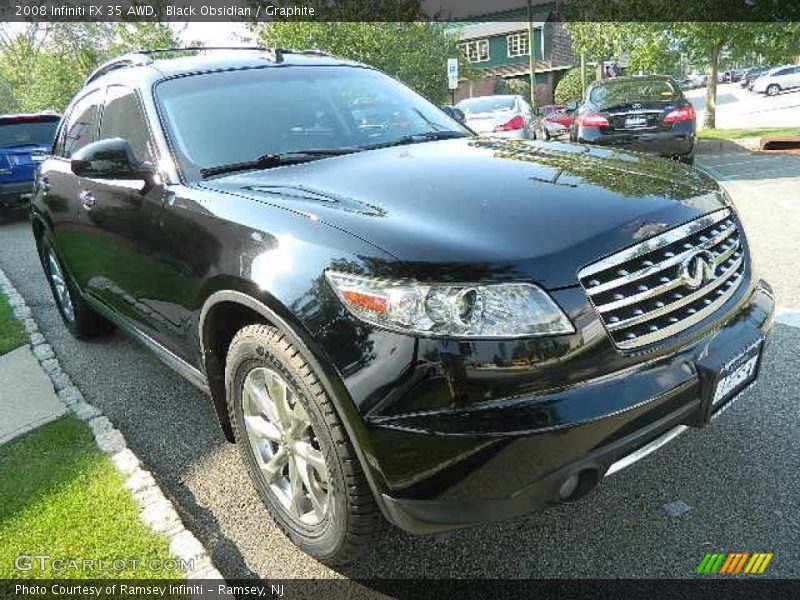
157, 511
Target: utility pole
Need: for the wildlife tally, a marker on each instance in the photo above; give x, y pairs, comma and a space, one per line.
531, 58
583, 74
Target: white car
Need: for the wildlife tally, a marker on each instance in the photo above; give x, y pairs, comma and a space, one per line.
777, 80
507, 116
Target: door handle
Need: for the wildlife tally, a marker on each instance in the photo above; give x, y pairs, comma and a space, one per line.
87, 199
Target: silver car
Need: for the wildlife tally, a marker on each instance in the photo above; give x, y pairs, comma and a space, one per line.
507, 116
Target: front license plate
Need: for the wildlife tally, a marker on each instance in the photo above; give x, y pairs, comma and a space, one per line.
636, 121
737, 374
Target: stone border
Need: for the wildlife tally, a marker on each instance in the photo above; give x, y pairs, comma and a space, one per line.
157, 512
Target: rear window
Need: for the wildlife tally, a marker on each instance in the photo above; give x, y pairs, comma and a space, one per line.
487, 104
619, 92
27, 133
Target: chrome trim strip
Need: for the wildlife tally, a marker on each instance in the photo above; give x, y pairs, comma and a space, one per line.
176, 363
639, 454
656, 242
668, 308
683, 323
647, 271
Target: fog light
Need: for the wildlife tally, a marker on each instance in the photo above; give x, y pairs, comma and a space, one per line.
568, 487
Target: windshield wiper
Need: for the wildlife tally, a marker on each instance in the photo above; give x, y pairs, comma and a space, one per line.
418, 138
279, 159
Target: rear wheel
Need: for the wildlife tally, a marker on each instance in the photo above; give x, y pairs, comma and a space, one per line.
296, 449
773, 90
80, 319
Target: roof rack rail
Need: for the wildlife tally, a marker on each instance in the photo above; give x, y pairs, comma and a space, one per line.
132, 59
142, 57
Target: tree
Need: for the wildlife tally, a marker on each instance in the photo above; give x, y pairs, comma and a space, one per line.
598, 41
569, 88
416, 53
32, 61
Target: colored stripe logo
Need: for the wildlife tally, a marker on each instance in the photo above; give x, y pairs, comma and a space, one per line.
734, 563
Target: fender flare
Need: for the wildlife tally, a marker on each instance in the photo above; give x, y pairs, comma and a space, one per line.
329, 379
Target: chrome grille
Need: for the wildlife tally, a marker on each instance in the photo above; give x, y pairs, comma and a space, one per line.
645, 293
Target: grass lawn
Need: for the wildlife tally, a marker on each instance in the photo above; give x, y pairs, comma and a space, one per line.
735, 134
61, 497
12, 335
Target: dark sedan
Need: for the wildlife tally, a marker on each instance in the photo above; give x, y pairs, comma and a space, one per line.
646, 113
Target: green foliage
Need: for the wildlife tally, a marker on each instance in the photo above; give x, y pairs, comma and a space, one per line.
415, 53
62, 497
43, 67
514, 85
569, 88
12, 335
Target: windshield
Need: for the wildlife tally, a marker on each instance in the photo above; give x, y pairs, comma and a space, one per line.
621, 92
233, 117
486, 104
33, 133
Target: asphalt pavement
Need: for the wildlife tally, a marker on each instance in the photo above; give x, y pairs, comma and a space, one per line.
738, 478
738, 107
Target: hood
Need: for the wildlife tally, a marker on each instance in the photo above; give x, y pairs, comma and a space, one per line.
480, 209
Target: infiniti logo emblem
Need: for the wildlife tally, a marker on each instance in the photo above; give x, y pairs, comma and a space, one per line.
698, 269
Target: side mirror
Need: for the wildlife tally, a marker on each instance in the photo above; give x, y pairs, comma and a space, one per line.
454, 113
110, 159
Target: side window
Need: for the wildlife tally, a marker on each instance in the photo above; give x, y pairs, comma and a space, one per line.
123, 118
81, 127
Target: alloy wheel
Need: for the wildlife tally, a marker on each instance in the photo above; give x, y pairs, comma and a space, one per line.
773, 90
62, 297
285, 446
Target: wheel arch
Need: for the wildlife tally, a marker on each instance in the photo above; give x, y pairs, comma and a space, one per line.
224, 312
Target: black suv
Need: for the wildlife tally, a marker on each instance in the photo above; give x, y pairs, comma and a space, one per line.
395, 319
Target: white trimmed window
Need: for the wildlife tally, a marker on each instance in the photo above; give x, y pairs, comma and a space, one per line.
517, 44
475, 51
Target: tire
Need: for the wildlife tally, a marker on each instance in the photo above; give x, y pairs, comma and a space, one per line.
687, 159
79, 318
327, 511
773, 90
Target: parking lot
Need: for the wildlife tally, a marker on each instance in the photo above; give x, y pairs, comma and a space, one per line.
737, 478
738, 107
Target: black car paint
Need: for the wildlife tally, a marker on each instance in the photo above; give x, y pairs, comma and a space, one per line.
449, 433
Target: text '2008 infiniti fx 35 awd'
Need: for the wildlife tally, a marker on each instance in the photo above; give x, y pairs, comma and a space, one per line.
395, 320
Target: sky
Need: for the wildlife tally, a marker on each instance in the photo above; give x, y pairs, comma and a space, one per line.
214, 33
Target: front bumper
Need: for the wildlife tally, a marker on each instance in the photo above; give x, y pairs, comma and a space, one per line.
16, 194
448, 475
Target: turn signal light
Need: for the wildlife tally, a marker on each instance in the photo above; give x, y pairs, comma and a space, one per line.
512, 125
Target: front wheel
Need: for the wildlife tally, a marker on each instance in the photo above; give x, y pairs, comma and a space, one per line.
773, 90
296, 448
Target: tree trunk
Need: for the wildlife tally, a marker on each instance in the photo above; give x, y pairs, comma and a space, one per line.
710, 118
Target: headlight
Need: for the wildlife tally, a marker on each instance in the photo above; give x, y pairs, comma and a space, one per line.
502, 310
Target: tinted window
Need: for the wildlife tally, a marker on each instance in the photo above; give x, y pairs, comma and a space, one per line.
33, 133
619, 92
81, 128
487, 104
123, 118
217, 119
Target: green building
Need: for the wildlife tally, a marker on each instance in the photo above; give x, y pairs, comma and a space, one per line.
496, 47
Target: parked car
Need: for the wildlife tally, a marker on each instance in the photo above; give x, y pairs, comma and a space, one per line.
732, 75
647, 113
24, 141
553, 120
432, 328
778, 80
507, 116
751, 75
